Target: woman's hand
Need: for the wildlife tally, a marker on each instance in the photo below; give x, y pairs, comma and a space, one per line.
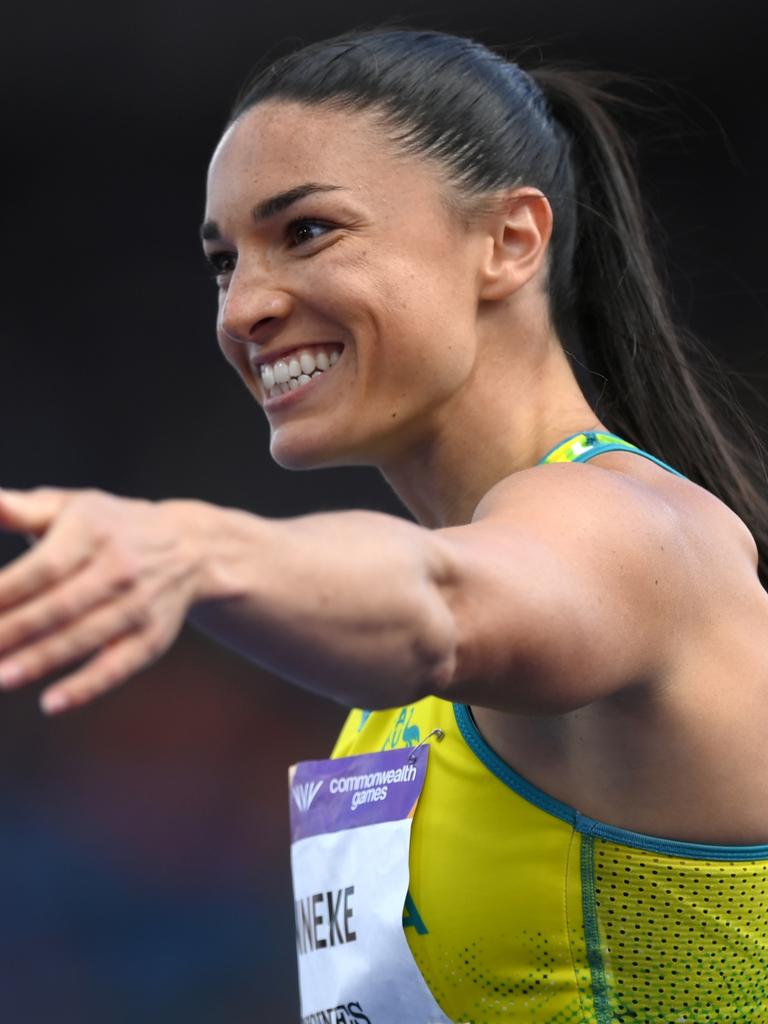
110, 580
344, 603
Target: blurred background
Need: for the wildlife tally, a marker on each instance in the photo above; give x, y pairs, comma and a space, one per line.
144, 843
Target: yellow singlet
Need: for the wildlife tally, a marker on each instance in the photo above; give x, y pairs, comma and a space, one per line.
521, 909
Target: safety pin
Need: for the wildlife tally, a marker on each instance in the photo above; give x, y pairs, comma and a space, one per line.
438, 733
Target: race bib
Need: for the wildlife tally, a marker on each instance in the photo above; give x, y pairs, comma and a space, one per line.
351, 827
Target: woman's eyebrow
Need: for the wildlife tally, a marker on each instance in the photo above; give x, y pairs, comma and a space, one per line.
209, 231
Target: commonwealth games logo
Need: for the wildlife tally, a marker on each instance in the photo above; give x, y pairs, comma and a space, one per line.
304, 793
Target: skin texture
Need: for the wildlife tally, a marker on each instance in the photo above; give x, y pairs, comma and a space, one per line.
588, 613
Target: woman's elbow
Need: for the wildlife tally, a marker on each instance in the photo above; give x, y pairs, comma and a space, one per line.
435, 650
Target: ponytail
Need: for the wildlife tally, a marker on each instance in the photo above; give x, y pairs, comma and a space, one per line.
663, 389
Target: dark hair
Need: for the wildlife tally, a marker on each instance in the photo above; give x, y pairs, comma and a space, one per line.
493, 125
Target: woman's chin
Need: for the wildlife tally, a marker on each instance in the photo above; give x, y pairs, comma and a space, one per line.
305, 455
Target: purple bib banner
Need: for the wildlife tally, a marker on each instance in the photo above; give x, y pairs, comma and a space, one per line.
352, 792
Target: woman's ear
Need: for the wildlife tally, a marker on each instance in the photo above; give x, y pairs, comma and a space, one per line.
518, 234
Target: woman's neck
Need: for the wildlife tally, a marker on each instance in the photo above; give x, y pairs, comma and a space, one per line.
503, 422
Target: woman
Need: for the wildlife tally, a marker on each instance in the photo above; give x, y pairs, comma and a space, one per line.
552, 803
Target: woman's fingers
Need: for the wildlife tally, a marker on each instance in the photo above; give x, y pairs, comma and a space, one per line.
110, 580
114, 664
73, 642
32, 511
65, 548
57, 606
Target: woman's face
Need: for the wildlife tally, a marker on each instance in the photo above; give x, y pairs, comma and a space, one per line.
327, 239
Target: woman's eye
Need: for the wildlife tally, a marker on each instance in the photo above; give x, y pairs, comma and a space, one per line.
221, 263
303, 230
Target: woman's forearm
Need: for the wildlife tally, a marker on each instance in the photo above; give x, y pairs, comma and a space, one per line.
348, 604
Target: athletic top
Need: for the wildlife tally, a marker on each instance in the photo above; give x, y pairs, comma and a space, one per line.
522, 909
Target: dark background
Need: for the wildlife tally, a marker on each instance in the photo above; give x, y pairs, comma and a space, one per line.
144, 839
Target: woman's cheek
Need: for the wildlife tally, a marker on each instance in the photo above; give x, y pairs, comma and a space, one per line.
234, 353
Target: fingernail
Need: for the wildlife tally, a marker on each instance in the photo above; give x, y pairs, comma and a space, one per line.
10, 674
53, 701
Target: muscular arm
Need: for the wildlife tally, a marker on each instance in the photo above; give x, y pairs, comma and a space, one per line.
566, 586
570, 583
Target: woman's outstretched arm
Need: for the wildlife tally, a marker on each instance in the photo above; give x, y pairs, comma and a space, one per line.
568, 583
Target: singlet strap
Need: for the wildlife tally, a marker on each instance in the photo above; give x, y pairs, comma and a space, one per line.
585, 445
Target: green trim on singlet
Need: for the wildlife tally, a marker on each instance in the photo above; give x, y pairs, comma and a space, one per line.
581, 822
592, 933
562, 450
585, 445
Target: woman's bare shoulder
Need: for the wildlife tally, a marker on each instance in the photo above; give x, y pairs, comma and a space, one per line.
598, 553
619, 491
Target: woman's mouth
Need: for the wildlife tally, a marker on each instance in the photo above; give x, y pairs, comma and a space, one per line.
294, 371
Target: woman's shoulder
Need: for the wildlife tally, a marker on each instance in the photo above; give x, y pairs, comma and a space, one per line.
705, 517
625, 478
636, 555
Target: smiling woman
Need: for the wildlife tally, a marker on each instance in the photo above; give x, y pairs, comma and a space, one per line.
556, 675
360, 275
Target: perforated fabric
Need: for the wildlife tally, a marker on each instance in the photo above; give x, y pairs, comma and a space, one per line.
675, 939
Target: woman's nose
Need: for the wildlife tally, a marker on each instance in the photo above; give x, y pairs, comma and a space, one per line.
250, 311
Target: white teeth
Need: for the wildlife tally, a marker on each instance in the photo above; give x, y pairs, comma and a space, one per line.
293, 384
282, 373
295, 371
307, 362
